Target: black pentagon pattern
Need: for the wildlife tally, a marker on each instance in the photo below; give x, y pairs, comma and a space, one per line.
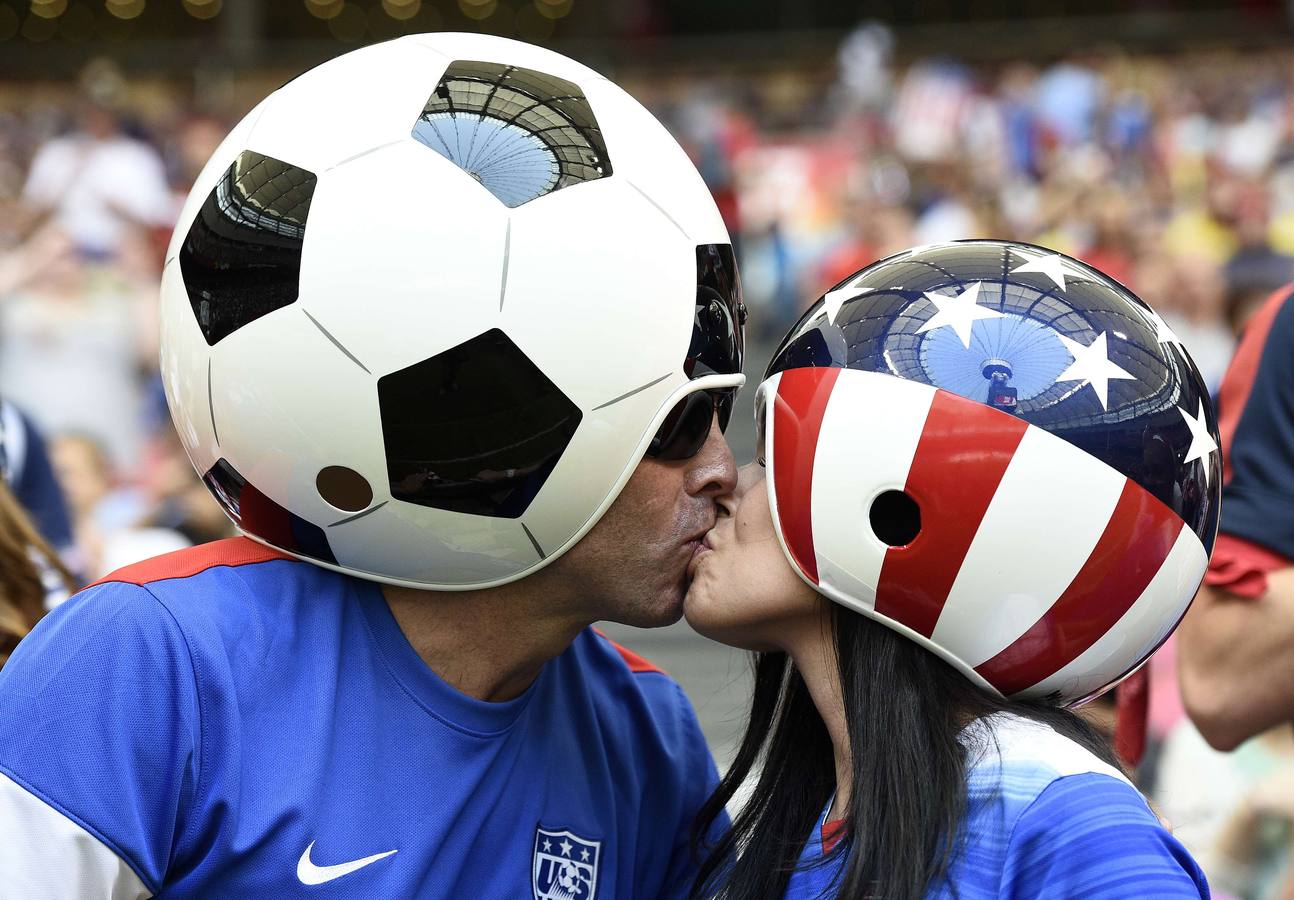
520, 133
1140, 432
257, 514
242, 256
475, 429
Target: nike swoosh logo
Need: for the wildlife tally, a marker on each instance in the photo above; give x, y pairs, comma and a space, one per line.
309, 873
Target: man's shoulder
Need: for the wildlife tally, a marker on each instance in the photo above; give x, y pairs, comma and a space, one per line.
1261, 355
1275, 319
618, 668
619, 656
180, 593
204, 562
218, 589
1256, 426
645, 699
59, 150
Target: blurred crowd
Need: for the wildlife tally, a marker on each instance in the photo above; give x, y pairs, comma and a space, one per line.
1174, 174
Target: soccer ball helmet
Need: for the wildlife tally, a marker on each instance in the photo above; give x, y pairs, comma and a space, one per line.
428, 303
1000, 453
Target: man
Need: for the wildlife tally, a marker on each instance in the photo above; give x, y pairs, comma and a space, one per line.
1237, 642
454, 353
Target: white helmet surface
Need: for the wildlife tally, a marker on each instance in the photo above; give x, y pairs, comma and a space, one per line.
428, 304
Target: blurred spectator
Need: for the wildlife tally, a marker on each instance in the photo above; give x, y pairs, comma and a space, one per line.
1236, 644
177, 501
929, 111
946, 213
879, 231
75, 340
95, 184
1187, 291
110, 519
24, 558
1069, 97
1233, 811
25, 467
1256, 268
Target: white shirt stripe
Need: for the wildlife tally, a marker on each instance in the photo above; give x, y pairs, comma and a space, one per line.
44, 855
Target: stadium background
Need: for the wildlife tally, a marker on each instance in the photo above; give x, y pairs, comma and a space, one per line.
1153, 139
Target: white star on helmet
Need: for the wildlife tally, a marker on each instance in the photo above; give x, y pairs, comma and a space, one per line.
959, 312
1092, 364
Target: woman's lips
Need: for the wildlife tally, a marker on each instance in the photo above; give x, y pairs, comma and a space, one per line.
702, 547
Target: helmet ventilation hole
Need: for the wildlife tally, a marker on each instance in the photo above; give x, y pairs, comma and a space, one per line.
895, 518
344, 488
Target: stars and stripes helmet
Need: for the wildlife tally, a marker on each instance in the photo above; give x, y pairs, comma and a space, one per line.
1001, 453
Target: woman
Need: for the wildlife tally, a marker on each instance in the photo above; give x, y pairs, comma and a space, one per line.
991, 484
26, 562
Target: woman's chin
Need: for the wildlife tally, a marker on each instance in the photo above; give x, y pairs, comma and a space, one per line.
703, 612
708, 619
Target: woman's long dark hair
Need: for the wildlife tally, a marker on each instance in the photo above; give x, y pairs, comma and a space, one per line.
22, 592
904, 710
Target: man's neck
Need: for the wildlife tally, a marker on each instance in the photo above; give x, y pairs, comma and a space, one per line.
488, 644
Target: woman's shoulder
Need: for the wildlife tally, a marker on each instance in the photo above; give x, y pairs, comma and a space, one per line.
1010, 751
1052, 813
1092, 836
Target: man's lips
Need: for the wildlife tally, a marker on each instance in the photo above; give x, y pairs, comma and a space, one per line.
700, 549
698, 536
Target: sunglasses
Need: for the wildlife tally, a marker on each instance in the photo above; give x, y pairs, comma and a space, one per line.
686, 428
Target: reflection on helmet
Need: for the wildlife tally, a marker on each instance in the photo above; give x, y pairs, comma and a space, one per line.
429, 303
520, 133
1054, 436
717, 344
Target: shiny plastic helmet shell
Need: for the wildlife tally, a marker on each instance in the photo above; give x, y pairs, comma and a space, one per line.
428, 302
1001, 453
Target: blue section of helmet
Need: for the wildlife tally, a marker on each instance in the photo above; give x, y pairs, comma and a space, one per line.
961, 317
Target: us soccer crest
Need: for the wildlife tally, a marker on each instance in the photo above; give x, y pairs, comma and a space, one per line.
565, 866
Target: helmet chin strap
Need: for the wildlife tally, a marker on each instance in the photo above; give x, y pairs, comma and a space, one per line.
1132, 707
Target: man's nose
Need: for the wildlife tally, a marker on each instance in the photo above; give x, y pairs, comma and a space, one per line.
713, 472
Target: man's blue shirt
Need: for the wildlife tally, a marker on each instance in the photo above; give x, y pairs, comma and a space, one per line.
235, 729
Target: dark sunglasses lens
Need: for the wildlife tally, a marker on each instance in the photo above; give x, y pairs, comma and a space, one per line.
685, 429
723, 403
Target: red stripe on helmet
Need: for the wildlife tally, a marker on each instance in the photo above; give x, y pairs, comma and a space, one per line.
1140, 535
802, 396
963, 453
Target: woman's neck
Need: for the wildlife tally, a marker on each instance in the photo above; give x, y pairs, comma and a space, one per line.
814, 654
